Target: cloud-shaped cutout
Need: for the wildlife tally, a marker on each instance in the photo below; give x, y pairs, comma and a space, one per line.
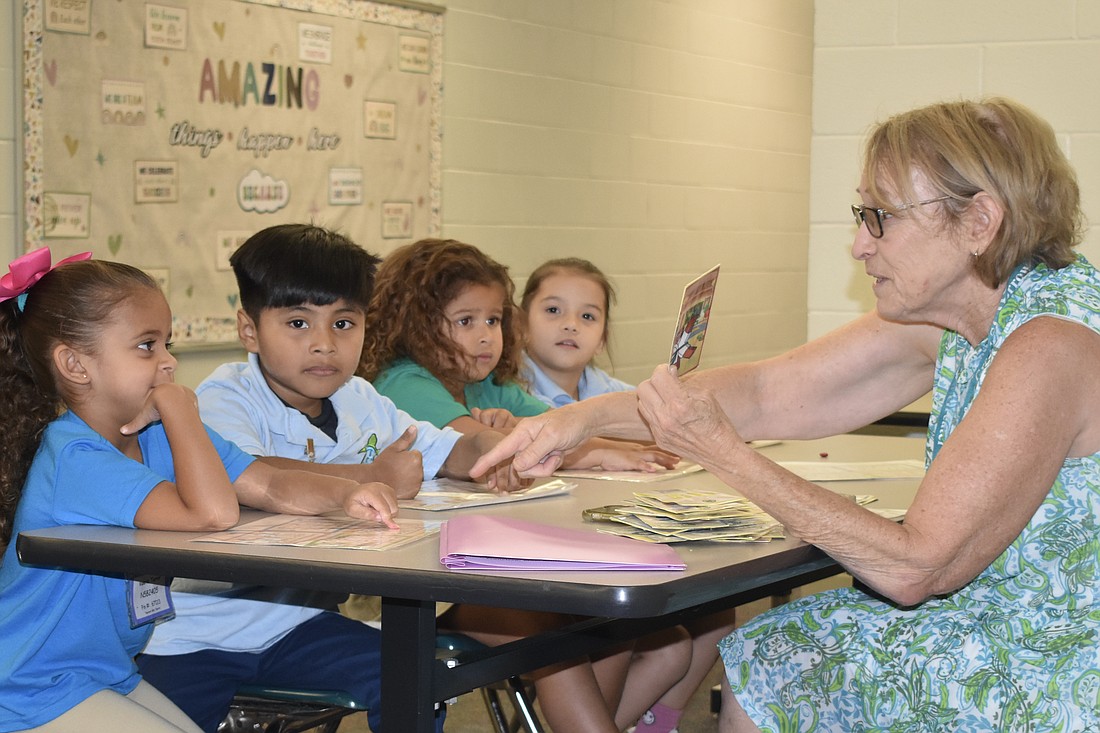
261, 193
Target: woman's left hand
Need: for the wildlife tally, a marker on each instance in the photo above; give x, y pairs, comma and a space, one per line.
685, 420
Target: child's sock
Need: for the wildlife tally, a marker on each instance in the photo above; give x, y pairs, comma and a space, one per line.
659, 719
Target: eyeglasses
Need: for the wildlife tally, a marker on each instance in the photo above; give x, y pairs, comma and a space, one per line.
873, 217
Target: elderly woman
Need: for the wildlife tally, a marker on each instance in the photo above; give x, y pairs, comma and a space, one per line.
982, 610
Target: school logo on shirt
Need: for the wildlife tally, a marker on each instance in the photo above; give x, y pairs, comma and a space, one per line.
370, 450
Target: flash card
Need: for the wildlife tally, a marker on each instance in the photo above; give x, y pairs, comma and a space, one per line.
691, 326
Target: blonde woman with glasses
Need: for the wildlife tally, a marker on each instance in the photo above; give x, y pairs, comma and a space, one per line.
982, 610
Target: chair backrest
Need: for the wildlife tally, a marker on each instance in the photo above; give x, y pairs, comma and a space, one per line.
257, 709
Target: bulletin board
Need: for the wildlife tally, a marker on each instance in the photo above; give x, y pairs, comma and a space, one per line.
163, 134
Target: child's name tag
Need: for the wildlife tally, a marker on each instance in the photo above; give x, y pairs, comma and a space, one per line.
148, 601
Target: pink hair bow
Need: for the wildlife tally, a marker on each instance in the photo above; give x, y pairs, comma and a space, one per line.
29, 269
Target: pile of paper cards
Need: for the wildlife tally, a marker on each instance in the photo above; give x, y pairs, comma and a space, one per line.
682, 515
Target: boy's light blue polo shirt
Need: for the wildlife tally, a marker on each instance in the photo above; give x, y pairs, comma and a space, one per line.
593, 382
236, 401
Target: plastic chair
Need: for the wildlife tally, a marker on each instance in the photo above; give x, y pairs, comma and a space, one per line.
257, 709
520, 693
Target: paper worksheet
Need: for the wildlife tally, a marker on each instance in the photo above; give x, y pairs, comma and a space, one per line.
827, 470
293, 530
683, 468
439, 494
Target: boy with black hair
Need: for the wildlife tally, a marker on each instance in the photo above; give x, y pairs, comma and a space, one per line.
304, 292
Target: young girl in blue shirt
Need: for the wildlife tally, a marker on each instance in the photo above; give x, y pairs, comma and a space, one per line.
567, 304
97, 432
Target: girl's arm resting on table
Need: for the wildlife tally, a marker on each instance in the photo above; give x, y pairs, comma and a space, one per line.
202, 497
468, 425
618, 455
496, 418
265, 487
1037, 406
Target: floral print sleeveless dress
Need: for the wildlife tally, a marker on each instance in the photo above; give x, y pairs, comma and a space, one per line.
1017, 649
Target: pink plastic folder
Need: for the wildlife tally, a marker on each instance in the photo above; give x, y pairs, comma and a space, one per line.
478, 542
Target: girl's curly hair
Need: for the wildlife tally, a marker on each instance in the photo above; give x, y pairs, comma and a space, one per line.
413, 288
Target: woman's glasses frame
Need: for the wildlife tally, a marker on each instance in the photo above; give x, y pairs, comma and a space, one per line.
873, 217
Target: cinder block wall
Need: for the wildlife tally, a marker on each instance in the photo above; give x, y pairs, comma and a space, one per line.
10, 232
657, 138
873, 58
654, 138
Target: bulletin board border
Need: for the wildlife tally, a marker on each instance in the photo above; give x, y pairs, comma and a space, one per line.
421, 18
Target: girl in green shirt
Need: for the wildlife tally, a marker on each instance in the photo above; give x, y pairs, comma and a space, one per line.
443, 343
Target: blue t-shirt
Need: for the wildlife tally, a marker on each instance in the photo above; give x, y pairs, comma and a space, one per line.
416, 391
66, 635
593, 382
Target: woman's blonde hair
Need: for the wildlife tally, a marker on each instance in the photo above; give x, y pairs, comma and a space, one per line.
994, 145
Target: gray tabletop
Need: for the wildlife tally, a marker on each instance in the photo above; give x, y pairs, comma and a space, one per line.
414, 571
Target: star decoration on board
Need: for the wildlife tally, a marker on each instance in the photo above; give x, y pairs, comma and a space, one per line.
161, 110
361, 40
99, 158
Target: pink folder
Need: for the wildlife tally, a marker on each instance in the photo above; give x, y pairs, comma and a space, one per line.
479, 542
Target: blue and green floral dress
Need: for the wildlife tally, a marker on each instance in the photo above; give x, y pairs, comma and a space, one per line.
1017, 649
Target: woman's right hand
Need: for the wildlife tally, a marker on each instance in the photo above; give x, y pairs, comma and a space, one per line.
539, 443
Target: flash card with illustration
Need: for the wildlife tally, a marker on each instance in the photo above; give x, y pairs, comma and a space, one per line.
691, 326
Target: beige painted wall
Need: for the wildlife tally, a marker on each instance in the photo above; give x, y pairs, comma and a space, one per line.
9, 219
655, 138
659, 137
873, 58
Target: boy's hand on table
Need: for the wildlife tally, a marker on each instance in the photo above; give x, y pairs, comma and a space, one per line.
372, 500
399, 466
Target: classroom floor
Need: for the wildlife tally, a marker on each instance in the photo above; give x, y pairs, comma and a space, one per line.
468, 714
